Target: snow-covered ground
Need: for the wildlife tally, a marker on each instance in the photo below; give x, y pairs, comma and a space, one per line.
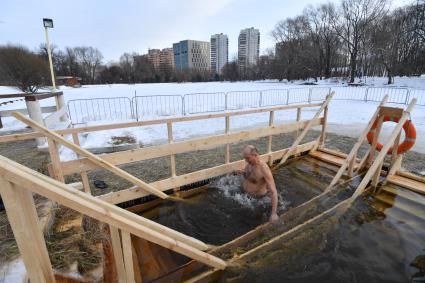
346, 117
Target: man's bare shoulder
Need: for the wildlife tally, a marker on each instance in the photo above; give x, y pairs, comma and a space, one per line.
265, 167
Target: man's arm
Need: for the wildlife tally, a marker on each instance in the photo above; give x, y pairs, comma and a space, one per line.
272, 187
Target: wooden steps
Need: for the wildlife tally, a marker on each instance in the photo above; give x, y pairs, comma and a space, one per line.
334, 159
412, 210
411, 184
404, 194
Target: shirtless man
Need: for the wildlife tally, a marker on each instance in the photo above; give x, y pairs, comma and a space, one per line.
258, 179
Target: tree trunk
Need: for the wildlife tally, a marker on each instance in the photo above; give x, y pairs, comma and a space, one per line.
353, 65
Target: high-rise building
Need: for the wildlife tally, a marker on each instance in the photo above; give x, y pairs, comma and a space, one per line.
166, 59
192, 54
248, 47
154, 57
219, 52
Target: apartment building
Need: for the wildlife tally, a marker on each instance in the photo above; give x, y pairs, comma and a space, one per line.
219, 52
248, 47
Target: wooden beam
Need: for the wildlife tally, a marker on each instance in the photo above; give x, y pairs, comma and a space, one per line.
135, 192
23, 220
30, 136
102, 211
270, 141
226, 131
93, 158
128, 256
375, 140
55, 159
305, 131
118, 254
381, 156
117, 158
353, 153
324, 125
172, 156
83, 174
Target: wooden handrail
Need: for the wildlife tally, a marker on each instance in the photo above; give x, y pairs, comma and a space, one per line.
28, 136
305, 131
380, 158
86, 204
353, 153
92, 157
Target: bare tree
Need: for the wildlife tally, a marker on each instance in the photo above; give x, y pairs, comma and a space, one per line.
22, 68
89, 59
356, 17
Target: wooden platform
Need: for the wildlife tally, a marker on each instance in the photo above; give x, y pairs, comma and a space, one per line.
411, 184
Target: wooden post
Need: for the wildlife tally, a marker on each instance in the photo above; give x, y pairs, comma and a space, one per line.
83, 174
226, 131
270, 141
297, 132
55, 159
305, 131
118, 254
93, 158
324, 125
23, 219
394, 153
172, 156
128, 256
375, 178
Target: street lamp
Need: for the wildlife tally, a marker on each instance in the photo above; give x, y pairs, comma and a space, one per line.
48, 23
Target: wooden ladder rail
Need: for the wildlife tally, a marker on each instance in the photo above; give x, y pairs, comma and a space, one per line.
27, 181
304, 132
92, 157
351, 157
377, 163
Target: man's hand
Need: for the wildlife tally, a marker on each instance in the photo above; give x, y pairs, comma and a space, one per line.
274, 217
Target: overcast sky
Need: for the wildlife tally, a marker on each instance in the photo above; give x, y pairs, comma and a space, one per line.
115, 27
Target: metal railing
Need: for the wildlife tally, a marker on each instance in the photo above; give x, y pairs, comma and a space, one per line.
145, 107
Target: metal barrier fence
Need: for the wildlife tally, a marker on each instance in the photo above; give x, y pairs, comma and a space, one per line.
96, 109
145, 107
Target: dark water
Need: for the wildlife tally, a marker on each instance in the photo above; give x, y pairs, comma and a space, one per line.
224, 212
362, 245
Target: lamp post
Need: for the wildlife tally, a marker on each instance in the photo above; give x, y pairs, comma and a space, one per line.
48, 23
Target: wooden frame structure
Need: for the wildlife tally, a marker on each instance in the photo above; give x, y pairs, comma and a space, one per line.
17, 182
122, 223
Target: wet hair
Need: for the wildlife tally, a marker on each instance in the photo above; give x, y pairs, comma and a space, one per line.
252, 149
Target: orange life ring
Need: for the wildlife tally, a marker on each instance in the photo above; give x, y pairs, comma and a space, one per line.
410, 136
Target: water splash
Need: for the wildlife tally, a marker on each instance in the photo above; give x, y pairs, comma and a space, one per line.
231, 188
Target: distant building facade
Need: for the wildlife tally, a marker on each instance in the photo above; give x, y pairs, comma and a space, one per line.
248, 47
219, 52
192, 54
166, 59
154, 57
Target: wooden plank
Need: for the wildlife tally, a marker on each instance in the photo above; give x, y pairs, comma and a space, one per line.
20, 210
118, 253
46, 109
270, 140
413, 185
393, 112
329, 158
411, 176
226, 131
381, 156
324, 125
135, 192
128, 256
28, 136
104, 212
93, 158
298, 119
353, 153
140, 154
83, 174
375, 140
55, 159
304, 132
172, 156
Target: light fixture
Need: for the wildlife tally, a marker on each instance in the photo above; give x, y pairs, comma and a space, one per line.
48, 23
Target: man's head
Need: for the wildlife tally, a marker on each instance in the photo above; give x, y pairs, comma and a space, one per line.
250, 154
